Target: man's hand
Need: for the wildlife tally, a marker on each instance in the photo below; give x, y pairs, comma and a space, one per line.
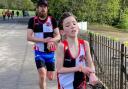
51, 46
46, 40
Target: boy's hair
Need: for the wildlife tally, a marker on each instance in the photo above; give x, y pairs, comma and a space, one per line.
64, 16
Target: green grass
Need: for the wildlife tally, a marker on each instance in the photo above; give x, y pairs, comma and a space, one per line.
104, 27
31, 13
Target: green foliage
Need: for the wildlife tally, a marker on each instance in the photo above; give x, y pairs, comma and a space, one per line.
108, 11
1, 5
90, 7
124, 20
57, 7
17, 4
31, 13
34, 1
101, 11
93, 11
27, 4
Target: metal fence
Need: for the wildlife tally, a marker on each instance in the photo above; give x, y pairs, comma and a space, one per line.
111, 61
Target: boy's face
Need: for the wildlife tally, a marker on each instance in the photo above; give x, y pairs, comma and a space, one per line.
70, 26
42, 10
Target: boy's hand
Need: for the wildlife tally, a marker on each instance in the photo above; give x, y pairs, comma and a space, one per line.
86, 70
93, 79
79, 68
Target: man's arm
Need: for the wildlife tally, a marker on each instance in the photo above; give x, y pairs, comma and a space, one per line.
56, 35
30, 37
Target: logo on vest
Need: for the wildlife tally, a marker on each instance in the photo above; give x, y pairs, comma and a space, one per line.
68, 60
82, 58
48, 24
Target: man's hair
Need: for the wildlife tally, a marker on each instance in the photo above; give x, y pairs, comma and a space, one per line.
42, 2
64, 16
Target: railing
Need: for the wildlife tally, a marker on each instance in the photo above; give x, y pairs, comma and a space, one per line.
111, 61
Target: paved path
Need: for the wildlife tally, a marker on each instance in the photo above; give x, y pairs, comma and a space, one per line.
18, 20
17, 68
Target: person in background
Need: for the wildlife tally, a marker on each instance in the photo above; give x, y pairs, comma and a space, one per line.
23, 13
8, 13
4, 14
17, 13
12, 14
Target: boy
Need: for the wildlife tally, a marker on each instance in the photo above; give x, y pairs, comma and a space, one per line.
73, 57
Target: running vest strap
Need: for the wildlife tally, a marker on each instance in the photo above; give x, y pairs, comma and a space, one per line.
66, 44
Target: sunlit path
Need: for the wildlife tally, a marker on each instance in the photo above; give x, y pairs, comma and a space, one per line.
17, 68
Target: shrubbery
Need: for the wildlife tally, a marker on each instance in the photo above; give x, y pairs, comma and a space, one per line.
124, 20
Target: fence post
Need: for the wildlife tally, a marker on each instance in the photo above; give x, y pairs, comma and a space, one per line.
122, 61
91, 42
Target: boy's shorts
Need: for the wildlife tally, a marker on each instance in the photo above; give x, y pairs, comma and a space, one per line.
44, 59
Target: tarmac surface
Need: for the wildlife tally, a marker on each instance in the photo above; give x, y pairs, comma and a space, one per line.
17, 68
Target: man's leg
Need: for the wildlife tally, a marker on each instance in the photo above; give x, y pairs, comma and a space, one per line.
50, 75
50, 70
40, 64
42, 77
50, 65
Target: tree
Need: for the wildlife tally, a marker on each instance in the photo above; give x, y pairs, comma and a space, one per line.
107, 11
27, 5
34, 1
17, 4
99, 11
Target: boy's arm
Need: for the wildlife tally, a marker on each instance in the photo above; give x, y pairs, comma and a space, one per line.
93, 79
88, 57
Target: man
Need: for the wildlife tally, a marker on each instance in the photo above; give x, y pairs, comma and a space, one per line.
12, 14
42, 29
17, 13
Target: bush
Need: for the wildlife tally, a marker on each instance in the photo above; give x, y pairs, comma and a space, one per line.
124, 20
1, 6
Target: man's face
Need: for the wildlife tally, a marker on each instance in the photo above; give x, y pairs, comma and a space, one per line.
42, 10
